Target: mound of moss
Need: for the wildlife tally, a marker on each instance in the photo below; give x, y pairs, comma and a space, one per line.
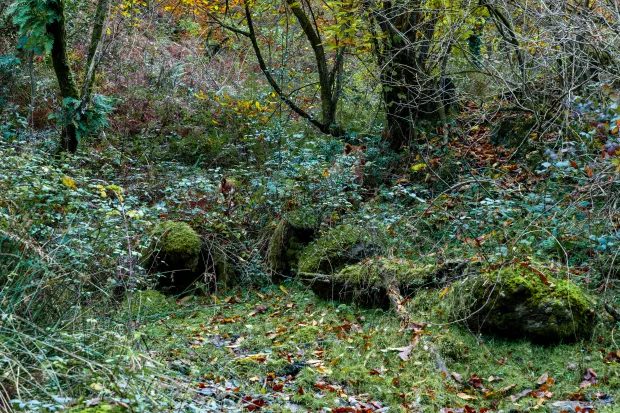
290, 236
365, 282
148, 305
340, 246
175, 253
520, 301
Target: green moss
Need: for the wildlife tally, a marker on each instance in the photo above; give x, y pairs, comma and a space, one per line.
365, 282
288, 240
148, 304
373, 272
340, 246
177, 245
518, 301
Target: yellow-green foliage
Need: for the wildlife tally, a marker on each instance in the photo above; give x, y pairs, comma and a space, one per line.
519, 301
177, 244
333, 251
102, 408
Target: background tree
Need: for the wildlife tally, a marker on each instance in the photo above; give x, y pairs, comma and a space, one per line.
328, 67
42, 28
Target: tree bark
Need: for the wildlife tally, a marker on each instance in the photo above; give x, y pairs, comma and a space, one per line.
64, 76
410, 93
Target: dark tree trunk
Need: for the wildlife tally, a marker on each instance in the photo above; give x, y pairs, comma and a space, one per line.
64, 76
410, 92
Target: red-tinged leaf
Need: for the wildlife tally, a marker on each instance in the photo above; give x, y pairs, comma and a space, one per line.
613, 357
251, 404
475, 382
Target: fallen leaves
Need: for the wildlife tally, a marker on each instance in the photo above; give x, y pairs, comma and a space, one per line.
465, 396
405, 352
589, 379
251, 404
612, 357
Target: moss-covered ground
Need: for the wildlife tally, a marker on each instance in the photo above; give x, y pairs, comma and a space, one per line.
282, 349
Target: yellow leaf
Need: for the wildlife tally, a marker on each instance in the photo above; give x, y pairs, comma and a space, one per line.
284, 290
69, 182
252, 358
443, 292
418, 167
465, 396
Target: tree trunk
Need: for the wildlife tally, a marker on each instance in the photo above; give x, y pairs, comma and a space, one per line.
410, 93
64, 76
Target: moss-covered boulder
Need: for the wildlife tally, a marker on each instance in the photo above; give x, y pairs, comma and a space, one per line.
365, 282
340, 246
174, 252
523, 301
290, 236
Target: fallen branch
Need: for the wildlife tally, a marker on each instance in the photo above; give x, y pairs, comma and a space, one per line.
396, 300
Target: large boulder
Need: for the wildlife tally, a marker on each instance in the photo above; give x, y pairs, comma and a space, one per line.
365, 282
290, 236
174, 252
340, 246
524, 301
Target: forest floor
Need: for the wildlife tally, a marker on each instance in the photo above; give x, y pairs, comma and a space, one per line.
281, 349
262, 347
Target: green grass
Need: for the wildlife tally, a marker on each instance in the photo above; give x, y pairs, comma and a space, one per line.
248, 341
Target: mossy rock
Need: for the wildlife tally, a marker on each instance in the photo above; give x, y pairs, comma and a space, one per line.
290, 236
175, 253
365, 282
340, 246
519, 301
